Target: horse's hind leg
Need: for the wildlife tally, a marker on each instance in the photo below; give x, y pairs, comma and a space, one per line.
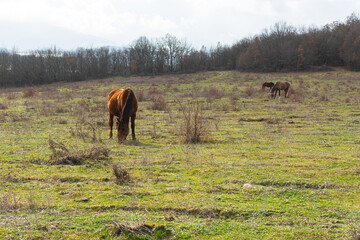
111, 123
133, 116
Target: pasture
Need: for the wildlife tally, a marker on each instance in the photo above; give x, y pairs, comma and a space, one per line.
284, 168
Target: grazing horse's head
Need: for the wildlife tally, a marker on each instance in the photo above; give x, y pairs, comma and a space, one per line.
123, 130
267, 84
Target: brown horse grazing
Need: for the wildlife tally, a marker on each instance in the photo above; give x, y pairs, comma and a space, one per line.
280, 86
267, 84
122, 103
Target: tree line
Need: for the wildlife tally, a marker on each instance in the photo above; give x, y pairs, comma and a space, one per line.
280, 48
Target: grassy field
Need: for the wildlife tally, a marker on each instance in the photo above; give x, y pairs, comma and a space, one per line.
264, 168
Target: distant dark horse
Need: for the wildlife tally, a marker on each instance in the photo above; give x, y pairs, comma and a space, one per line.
122, 103
267, 84
278, 87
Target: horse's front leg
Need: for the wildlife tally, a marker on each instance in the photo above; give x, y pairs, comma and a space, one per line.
133, 116
111, 123
276, 91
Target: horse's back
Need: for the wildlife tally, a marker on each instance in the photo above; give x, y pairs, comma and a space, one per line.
117, 99
287, 84
113, 101
281, 85
114, 93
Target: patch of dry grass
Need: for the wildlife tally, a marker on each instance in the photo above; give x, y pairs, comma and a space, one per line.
122, 176
62, 155
143, 231
194, 128
28, 93
158, 103
3, 106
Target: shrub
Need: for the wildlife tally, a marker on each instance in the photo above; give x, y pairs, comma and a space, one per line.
296, 95
324, 98
158, 103
87, 130
11, 96
144, 231
194, 128
29, 93
62, 155
249, 91
140, 95
122, 176
9, 202
3, 106
213, 93
63, 121
154, 91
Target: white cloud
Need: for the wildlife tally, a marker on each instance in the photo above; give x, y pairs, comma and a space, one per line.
293, 5
199, 21
157, 23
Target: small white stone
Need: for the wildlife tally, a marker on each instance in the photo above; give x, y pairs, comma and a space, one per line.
248, 185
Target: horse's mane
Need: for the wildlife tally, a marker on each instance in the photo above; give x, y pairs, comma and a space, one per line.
127, 108
272, 90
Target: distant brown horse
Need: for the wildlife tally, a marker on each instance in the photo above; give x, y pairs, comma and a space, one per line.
278, 87
122, 103
267, 84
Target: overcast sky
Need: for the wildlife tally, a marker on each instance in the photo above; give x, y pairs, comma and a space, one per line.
68, 24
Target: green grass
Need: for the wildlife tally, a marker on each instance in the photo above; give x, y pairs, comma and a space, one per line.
270, 169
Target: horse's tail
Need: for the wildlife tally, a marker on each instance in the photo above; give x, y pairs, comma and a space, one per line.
128, 106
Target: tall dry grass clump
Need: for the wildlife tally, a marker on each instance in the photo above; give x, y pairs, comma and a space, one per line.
122, 176
62, 155
297, 94
87, 130
140, 95
9, 202
3, 106
158, 103
30, 92
154, 91
249, 91
194, 128
11, 96
213, 93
